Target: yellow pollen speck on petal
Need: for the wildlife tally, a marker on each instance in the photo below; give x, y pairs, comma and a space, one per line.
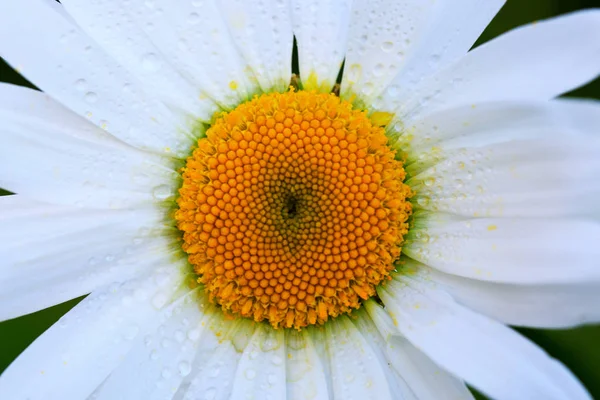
380, 118
492, 227
293, 209
233, 85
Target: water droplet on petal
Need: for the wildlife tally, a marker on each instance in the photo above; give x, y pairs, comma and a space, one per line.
91, 97
81, 84
210, 393
159, 300
193, 334
193, 18
184, 368
276, 360
387, 46
250, 374
150, 62
162, 192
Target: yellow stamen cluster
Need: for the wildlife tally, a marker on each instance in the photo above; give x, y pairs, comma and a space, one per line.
293, 209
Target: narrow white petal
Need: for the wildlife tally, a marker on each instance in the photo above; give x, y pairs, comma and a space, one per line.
488, 355
220, 349
51, 254
519, 65
262, 32
52, 154
159, 360
424, 378
524, 160
77, 353
398, 43
356, 370
522, 251
321, 30
48, 48
261, 371
304, 371
397, 383
183, 52
534, 305
320, 340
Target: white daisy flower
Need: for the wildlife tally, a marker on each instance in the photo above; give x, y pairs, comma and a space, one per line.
244, 239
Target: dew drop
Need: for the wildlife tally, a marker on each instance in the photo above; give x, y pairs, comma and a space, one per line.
179, 336
250, 374
81, 84
378, 70
150, 62
184, 368
210, 393
193, 334
193, 18
393, 91
131, 332
159, 300
215, 372
423, 201
166, 373
387, 46
91, 97
276, 360
162, 192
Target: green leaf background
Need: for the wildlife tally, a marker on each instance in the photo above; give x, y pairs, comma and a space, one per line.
579, 348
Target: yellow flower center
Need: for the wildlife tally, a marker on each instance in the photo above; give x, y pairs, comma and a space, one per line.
293, 209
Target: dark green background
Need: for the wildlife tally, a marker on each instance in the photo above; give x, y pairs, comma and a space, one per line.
578, 348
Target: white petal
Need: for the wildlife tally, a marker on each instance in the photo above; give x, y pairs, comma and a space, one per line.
423, 376
51, 154
541, 306
304, 371
519, 65
182, 52
508, 250
45, 45
261, 371
220, 349
319, 338
262, 32
77, 353
160, 359
488, 355
554, 175
356, 371
51, 254
492, 123
321, 30
401, 42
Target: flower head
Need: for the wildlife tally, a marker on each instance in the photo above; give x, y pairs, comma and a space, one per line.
246, 233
